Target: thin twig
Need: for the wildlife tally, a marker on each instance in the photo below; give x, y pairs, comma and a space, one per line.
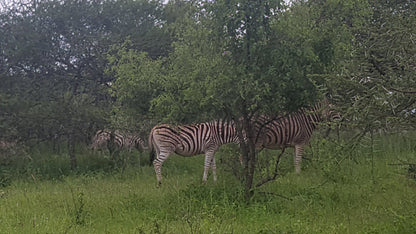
268, 179
274, 194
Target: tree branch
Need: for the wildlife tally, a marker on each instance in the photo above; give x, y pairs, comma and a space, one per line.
275, 174
401, 91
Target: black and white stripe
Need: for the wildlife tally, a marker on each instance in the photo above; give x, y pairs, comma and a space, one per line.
189, 140
107, 139
294, 130
134, 141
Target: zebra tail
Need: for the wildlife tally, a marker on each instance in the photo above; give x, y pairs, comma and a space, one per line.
144, 147
152, 149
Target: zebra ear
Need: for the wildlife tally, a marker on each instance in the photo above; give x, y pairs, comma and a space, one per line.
328, 96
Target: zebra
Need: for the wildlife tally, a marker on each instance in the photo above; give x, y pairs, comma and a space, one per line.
117, 139
293, 130
190, 140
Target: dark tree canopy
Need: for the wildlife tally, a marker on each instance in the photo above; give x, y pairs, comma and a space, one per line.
53, 63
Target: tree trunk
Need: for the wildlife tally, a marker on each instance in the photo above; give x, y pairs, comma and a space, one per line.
71, 151
248, 151
249, 169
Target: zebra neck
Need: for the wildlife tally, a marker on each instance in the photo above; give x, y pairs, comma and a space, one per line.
314, 118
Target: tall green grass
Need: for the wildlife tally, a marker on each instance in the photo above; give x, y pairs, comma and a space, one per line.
366, 189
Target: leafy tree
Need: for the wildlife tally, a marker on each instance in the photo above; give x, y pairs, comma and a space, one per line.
53, 61
230, 61
378, 76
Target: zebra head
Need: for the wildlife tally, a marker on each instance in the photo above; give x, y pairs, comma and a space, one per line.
328, 111
100, 139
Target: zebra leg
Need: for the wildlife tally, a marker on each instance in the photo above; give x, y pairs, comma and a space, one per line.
157, 163
214, 168
298, 156
209, 160
158, 169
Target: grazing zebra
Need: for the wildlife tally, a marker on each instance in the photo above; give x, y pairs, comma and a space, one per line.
102, 139
294, 130
189, 140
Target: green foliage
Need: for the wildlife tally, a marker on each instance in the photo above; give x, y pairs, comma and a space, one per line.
377, 77
79, 212
220, 66
137, 81
52, 66
239, 59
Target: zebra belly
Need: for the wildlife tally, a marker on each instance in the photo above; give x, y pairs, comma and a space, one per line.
278, 146
273, 147
187, 152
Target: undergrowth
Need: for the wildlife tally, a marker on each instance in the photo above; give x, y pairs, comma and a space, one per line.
369, 188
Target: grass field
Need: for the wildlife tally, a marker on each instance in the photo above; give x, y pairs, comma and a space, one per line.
368, 189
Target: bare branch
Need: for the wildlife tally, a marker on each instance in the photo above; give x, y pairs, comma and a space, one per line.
401, 91
275, 174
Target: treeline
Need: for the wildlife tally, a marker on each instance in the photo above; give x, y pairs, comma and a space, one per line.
54, 84
69, 68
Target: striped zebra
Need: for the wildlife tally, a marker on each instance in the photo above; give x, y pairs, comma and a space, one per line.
117, 139
190, 140
294, 130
